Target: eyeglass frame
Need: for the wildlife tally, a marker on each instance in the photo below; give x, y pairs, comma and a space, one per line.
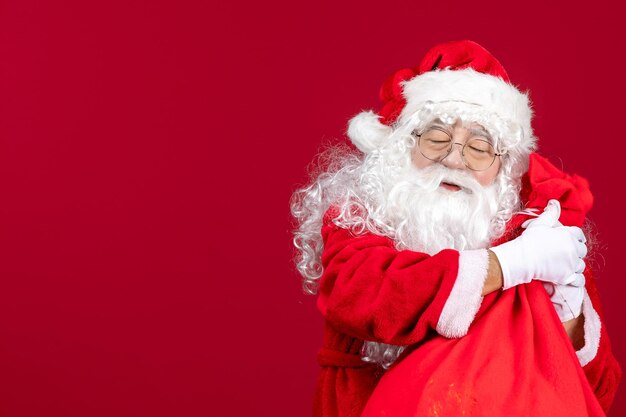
463, 145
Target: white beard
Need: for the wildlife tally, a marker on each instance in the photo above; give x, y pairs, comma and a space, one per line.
426, 217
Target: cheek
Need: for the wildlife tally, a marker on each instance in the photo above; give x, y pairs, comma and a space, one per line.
487, 177
419, 161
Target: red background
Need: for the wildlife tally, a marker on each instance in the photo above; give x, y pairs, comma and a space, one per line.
148, 150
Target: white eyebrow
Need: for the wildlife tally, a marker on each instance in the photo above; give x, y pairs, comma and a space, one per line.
475, 131
438, 123
481, 131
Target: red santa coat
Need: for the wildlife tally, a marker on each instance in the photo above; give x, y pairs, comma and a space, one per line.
469, 355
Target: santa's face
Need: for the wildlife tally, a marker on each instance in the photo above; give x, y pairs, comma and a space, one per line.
440, 202
460, 134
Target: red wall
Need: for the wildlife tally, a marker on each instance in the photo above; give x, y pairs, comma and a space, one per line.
148, 150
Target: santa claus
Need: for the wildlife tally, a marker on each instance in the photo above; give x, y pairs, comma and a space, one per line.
449, 258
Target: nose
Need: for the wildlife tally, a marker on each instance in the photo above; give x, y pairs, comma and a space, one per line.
454, 160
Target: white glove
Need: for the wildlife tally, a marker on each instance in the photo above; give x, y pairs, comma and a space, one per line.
546, 251
566, 299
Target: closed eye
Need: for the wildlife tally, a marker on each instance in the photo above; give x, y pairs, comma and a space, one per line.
478, 150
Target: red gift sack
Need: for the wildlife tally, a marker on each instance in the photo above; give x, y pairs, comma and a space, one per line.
516, 360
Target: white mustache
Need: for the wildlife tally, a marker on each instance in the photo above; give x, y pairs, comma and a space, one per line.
430, 178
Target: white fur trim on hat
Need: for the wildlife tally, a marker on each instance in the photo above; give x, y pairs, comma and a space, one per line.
367, 132
470, 89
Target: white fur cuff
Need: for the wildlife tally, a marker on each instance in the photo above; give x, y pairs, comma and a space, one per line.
592, 328
466, 296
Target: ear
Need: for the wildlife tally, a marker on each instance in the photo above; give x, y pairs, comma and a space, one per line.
367, 132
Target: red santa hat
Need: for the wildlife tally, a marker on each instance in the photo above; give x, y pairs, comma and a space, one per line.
458, 79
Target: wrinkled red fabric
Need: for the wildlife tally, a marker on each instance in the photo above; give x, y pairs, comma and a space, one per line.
544, 182
371, 291
515, 360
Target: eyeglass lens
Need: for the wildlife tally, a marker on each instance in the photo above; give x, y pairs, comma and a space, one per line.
477, 153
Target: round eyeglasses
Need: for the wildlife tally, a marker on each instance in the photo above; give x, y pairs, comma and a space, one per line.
478, 154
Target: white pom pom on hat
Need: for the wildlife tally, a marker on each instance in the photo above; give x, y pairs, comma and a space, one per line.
367, 132
460, 71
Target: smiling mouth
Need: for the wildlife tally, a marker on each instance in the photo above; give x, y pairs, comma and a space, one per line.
450, 186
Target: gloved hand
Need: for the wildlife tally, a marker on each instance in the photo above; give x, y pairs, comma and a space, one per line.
566, 299
546, 251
